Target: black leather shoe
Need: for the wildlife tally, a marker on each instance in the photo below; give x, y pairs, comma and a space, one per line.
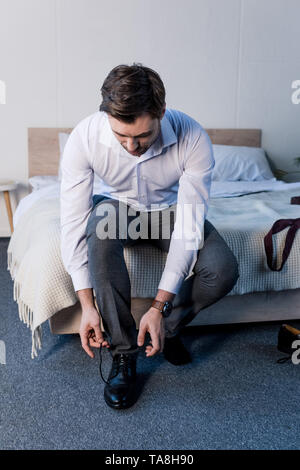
120, 388
287, 334
175, 352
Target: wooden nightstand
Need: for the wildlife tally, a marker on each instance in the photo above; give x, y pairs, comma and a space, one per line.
5, 187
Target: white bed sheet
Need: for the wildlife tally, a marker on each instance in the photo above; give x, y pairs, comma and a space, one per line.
239, 188
219, 189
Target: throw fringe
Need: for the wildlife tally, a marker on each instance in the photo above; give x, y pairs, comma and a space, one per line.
36, 341
25, 312
12, 265
9, 260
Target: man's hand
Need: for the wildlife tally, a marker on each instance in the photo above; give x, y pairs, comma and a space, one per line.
153, 322
90, 332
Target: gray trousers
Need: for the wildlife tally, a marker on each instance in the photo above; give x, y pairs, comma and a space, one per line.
215, 272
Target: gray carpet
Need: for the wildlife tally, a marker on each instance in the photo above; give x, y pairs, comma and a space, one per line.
232, 396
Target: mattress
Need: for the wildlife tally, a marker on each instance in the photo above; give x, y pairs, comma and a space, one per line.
242, 212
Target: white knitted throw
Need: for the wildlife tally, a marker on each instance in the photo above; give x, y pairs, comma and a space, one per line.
41, 284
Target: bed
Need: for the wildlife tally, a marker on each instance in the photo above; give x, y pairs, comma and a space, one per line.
243, 212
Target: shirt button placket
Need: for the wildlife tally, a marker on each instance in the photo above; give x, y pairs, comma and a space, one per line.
143, 190
138, 184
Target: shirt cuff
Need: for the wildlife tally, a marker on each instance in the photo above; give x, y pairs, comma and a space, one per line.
171, 282
81, 279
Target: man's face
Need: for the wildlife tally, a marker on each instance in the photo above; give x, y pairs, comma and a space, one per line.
137, 137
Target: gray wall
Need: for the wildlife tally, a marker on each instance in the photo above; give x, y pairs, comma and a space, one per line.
227, 63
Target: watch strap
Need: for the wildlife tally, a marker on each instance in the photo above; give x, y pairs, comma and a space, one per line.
159, 305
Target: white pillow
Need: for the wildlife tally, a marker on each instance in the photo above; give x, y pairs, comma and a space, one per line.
235, 163
39, 182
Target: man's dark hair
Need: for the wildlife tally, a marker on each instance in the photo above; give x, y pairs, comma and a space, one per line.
132, 90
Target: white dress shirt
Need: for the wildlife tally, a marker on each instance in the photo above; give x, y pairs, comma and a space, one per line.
176, 169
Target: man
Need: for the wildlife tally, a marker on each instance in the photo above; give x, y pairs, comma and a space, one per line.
152, 162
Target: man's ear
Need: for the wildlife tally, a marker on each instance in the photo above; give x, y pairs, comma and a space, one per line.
163, 111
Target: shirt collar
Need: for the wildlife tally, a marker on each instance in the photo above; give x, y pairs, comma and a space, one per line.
165, 138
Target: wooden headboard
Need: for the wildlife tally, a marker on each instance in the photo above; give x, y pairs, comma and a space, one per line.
43, 145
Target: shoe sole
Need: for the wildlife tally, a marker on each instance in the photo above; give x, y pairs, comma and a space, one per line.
178, 363
119, 406
174, 363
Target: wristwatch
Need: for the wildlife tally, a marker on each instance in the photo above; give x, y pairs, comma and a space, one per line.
165, 308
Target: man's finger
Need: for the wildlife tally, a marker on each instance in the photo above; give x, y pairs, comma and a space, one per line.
141, 335
151, 352
96, 344
155, 342
98, 333
93, 343
85, 344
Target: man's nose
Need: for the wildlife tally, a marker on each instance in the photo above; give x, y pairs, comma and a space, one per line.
132, 144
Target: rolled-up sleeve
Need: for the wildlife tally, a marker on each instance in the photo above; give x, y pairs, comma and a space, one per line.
192, 205
77, 178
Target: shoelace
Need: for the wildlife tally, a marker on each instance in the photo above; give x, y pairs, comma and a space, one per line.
100, 365
283, 359
123, 364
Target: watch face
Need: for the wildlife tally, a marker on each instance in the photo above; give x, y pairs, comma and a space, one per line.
167, 309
